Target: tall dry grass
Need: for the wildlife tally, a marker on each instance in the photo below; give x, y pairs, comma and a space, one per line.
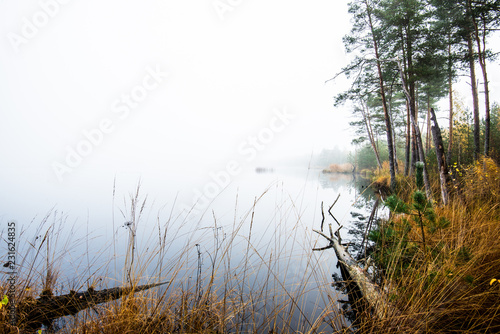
245, 282
448, 286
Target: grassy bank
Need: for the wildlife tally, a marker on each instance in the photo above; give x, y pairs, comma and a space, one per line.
440, 264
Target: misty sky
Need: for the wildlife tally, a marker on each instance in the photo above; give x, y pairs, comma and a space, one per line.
167, 82
89, 89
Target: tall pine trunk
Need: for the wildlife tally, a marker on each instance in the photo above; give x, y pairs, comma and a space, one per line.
450, 92
388, 125
408, 140
475, 97
418, 137
408, 122
481, 53
487, 118
369, 131
428, 133
410, 84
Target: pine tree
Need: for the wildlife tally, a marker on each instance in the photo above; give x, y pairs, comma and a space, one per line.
365, 38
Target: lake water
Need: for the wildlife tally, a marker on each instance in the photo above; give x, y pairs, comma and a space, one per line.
256, 226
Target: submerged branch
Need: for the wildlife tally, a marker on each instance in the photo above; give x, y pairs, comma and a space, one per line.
47, 307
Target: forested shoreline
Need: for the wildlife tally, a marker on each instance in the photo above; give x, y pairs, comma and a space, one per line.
438, 254
406, 57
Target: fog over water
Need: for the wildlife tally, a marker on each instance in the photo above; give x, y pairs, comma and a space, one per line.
92, 92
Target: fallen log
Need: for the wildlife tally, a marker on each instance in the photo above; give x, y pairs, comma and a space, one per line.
44, 310
375, 299
390, 317
386, 316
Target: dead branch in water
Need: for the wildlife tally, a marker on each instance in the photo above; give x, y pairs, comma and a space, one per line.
45, 309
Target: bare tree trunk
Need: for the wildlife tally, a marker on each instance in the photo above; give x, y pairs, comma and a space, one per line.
408, 121
428, 133
408, 140
475, 97
395, 146
450, 92
421, 153
481, 51
444, 177
394, 141
487, 118
418, 137
388, 124
369, 131
412, 101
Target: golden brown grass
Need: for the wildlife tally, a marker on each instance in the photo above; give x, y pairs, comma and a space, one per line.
254, 294
445, 287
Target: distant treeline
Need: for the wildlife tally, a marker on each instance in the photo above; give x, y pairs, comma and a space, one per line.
331, 156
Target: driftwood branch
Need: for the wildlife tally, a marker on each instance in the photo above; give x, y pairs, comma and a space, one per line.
322, 248
47, 307
373, 296
368, 289
326, 237
376, 299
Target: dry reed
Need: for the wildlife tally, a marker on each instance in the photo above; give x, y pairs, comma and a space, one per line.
217, 289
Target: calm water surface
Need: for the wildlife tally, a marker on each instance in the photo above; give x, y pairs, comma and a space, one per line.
256, 226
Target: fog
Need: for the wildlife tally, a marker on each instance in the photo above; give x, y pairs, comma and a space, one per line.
92, 91
175, 83
95, 94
